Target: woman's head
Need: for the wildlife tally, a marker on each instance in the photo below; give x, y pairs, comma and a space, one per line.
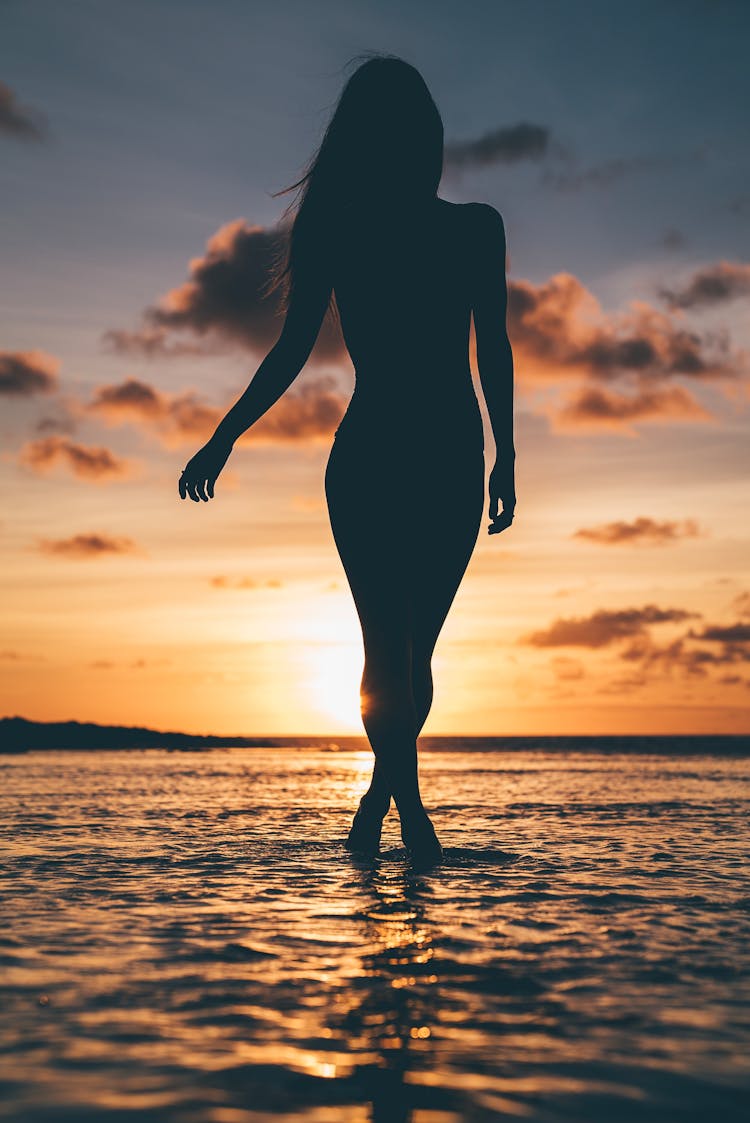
383, 145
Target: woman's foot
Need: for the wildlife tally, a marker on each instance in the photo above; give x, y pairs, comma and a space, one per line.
420, 840
364, 835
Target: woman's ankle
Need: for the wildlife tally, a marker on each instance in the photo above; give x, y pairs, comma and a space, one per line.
374, 805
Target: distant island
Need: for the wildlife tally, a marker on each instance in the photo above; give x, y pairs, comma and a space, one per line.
18, 734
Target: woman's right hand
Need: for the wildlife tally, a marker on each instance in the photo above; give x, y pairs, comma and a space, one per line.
502, 489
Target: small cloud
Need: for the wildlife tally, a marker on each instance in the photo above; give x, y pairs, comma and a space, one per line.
611, 171
222, 582
154, 343
307, 503
673, 239
716, 284
604, 627
566, 669
597, 408
19, 120
640, 530
724, 633
24, 373
741, 604
86, 462
506, 145
59, 424
86, 546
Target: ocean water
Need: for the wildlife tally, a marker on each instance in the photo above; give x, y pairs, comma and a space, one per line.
185, 939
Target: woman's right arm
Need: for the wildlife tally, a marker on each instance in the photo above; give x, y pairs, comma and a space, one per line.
494, 355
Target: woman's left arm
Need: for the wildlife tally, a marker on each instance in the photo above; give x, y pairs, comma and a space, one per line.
307, 307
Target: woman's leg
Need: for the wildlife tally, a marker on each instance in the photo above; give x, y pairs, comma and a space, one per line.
435, 573
374, 540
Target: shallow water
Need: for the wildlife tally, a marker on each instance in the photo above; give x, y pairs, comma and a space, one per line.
187, 940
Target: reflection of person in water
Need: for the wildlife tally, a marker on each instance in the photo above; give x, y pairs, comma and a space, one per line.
404, 270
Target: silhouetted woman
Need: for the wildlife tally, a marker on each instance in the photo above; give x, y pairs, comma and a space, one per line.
404, 271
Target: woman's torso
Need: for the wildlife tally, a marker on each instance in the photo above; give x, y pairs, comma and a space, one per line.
402, 290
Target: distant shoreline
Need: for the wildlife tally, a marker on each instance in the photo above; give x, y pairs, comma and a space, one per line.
19, 735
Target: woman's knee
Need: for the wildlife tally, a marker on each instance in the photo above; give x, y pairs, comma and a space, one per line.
386, 692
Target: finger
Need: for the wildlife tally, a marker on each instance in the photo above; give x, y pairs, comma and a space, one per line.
181, 486
201, 489
211, 487
192, 492
502, 522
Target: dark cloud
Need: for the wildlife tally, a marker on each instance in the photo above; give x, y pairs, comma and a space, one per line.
604, 407
724, 633
310, 412
225, 299
19, 120
60, 424
616, 169
604, 627
506, 145
95, 464
673, 239
741, 604
716, 284
640, 530
23, 373
87, 546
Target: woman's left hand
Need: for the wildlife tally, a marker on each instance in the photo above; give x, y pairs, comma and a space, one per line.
201, 472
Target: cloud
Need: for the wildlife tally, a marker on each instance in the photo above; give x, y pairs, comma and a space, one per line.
24, 373
310, 412
566, 669
245, 583
224, 299
87, 546
741, 604
715, 284
505, 145
60, 424
84, 461
154, 343
561, 327
610, 171
640, 530
19, 120
604, 627
678, 656
730, 634
624, 366
673, 239
605, 408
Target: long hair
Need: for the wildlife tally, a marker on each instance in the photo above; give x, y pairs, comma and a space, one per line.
383, 144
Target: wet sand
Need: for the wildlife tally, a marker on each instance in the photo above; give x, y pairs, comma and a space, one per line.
186, 940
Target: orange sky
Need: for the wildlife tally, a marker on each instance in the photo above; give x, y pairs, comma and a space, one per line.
617, 602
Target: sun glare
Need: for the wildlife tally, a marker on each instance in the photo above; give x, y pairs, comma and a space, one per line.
335, 674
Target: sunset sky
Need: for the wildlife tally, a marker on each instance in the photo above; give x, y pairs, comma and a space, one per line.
140, 143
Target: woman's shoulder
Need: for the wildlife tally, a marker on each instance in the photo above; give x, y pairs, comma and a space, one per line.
483, 214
